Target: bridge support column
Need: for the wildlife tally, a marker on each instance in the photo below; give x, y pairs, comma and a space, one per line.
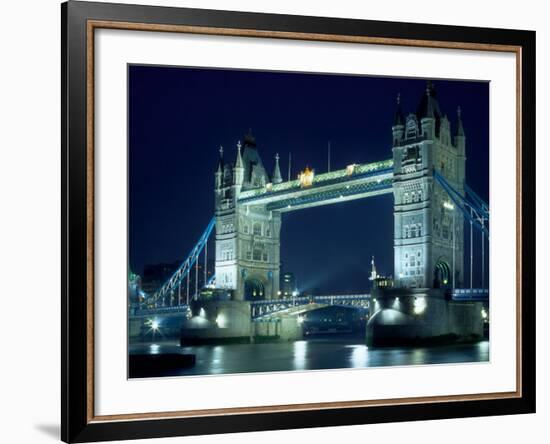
402, 317
217, 321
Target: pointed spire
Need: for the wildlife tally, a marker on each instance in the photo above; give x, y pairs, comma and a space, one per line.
249, 139
429, 106
373, 274
459, 127
239, 161
220, 160
398, 117
277, 178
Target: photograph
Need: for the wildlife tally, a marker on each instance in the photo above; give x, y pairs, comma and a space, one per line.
286, 221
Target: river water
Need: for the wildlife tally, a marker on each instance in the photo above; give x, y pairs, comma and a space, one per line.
311, 354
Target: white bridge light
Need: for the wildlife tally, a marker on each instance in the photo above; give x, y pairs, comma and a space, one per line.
419, 305
448, 205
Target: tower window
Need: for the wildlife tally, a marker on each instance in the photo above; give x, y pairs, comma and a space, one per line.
257, 256
257, 229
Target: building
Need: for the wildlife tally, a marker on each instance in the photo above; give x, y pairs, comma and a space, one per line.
428, 229
247, 238
288, 284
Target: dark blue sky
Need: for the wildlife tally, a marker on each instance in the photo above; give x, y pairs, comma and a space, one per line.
178, 118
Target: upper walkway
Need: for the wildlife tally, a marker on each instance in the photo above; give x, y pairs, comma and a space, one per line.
353, 182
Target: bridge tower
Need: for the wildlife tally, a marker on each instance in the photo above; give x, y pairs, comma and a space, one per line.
247, 237
428, 228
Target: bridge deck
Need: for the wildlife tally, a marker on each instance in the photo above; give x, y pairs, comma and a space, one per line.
353, 182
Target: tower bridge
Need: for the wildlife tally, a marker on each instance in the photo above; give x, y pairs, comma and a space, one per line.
425, 176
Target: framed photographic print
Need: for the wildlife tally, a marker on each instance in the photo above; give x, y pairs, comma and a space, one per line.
277, 221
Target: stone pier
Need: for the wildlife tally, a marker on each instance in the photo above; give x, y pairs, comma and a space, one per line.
421, 317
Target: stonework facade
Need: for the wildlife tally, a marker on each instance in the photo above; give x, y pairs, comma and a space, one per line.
247, 237
428, 228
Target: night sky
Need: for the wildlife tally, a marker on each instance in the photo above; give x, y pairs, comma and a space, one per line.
178, 118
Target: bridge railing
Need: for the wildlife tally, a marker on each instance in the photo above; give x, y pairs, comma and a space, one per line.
264, 308
470, 294
160, 310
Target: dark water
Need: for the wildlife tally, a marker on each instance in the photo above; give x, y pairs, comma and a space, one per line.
311, 354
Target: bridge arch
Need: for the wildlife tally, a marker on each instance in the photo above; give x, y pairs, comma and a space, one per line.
442, 274
254, 289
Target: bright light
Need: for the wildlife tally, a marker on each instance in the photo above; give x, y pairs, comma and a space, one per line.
295, 293
448, 205
445, 281
301, 319
154, 325
279, 293
220, 320
419, 305
350, 169
483, 313
202, 313
306, 177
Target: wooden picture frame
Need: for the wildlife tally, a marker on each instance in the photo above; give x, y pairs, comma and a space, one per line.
79, 22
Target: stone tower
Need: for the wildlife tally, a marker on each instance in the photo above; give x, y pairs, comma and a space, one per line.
247, 237
428, 227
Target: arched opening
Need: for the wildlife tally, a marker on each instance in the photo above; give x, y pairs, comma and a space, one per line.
442, 274
253, 290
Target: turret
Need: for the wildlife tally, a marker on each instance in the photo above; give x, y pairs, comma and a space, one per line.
276, 177
460, 136
428, 113
219, 170
254, 172
398, 127
238, 170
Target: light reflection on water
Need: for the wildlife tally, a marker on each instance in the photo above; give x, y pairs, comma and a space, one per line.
300, 355
311, 354
359, 356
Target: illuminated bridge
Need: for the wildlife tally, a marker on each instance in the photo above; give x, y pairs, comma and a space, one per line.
357, 181
433, 210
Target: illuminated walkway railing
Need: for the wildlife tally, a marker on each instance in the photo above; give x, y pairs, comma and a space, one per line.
269, 307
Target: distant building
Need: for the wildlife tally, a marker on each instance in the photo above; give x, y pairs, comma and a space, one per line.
377, 280
288, 284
